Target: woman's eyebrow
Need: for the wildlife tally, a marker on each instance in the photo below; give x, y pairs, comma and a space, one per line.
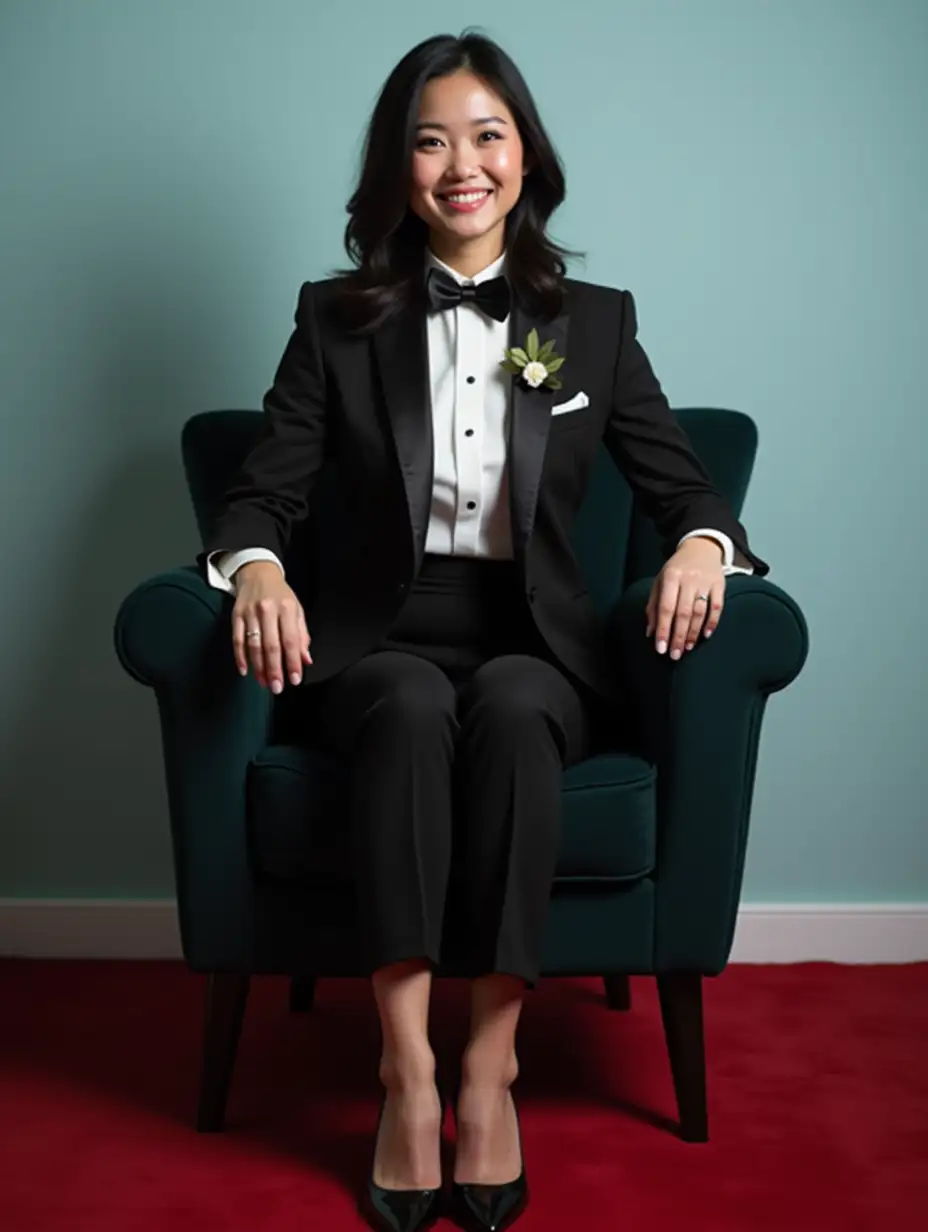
444, 127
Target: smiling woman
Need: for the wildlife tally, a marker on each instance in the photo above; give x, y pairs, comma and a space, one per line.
467, 169
463, 384
456, 158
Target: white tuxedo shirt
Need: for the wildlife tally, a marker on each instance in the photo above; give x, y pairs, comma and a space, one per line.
470, 411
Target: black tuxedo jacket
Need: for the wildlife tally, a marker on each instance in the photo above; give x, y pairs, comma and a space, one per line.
362, 407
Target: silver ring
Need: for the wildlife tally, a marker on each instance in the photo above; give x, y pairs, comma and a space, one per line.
706, 597
254, 635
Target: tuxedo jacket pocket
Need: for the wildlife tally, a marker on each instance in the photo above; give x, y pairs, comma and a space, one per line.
576, 403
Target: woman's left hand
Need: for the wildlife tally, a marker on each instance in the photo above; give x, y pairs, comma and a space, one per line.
674, 606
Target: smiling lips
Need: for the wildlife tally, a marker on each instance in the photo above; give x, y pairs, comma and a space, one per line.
466, 202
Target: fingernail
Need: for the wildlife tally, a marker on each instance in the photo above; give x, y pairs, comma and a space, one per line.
676, 652
709, 632
689, 645
661, 647
276, 686
295, 677
243, 671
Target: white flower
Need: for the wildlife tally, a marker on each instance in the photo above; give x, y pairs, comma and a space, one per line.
534, 373
535, 364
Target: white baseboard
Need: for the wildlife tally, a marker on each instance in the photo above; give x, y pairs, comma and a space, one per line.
766, 932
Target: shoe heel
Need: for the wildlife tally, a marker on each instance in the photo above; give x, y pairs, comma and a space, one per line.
400, 1210
490, 1208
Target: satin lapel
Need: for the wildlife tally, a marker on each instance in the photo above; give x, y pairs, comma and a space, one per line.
529, 424
401, 349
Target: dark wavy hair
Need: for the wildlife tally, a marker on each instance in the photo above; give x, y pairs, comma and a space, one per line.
386, 240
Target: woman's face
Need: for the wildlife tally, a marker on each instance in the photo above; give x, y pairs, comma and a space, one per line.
467, 142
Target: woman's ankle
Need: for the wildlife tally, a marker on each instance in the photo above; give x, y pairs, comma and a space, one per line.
481, 1066
408, 1067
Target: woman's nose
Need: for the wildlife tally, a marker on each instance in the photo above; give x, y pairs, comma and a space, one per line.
464, 161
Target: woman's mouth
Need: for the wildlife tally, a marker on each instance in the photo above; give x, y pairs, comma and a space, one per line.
465, 203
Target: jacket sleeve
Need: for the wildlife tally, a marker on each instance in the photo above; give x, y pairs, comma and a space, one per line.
271, 490
655, 455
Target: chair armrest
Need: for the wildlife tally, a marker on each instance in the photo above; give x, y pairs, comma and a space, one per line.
173, 633
699, 721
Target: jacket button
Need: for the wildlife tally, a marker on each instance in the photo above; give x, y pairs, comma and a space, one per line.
401, 586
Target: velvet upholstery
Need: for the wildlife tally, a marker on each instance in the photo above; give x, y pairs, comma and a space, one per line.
654, 830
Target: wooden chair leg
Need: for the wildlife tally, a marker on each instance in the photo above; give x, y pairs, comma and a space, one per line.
302, 993
680, 994
618, 992
226, 996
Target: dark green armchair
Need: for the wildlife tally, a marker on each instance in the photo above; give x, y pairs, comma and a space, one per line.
654, 833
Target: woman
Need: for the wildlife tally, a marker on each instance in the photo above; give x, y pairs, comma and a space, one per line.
456, 656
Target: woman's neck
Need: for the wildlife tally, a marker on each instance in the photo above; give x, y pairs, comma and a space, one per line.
467, 259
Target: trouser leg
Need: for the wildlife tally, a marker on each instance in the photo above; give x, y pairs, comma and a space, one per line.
522, 722
392, 715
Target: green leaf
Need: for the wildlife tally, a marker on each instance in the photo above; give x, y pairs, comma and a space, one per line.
531, 344
508, 366
518, 355
546, 350
553, 364
553, 383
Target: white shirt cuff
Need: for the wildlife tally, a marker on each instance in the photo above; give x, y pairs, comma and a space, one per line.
727, 546
221, 565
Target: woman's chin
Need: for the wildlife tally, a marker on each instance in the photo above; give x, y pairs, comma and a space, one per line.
465, 228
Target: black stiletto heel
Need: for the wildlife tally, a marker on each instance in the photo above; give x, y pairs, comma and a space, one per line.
489, 1208
401, 1210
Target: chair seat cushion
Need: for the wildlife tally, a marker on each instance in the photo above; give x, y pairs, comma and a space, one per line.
298, 820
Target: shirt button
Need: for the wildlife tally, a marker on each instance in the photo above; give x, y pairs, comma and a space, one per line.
471, 504
471, 379
469, 432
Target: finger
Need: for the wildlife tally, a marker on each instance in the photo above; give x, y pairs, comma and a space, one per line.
253, 645
270, 643
304, 632
291, 639
666, 606
649, 610
716, 605
682, 618
238, 642
700, 607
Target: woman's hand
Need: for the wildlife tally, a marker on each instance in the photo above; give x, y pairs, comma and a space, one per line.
265, 604
675, 606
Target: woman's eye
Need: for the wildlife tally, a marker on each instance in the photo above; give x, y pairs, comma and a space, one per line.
423, 142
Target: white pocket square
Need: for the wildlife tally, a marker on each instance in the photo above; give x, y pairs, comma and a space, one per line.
572, 404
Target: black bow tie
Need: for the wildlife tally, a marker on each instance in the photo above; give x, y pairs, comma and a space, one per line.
493, 296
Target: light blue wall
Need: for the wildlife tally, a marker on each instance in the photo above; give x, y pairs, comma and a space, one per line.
757, 173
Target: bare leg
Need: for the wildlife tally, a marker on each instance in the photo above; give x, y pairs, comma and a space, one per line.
408, 1150
487, 1131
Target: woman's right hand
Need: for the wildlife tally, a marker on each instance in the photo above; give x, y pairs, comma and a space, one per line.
266, 604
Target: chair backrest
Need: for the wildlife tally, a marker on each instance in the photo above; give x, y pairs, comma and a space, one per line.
614, 541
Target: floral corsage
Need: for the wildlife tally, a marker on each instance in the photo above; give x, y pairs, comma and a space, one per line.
535, 365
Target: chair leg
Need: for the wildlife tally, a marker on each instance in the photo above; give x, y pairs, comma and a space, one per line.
226, 996
302, 993
680, 994
618, 992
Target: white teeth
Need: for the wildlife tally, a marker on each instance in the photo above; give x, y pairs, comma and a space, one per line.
465, 197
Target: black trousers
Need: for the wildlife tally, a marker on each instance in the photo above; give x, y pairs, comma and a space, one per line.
457, 727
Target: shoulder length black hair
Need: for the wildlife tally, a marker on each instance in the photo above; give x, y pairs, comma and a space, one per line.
386, 240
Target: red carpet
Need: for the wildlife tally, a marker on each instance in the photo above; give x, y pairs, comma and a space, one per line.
818, 1104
